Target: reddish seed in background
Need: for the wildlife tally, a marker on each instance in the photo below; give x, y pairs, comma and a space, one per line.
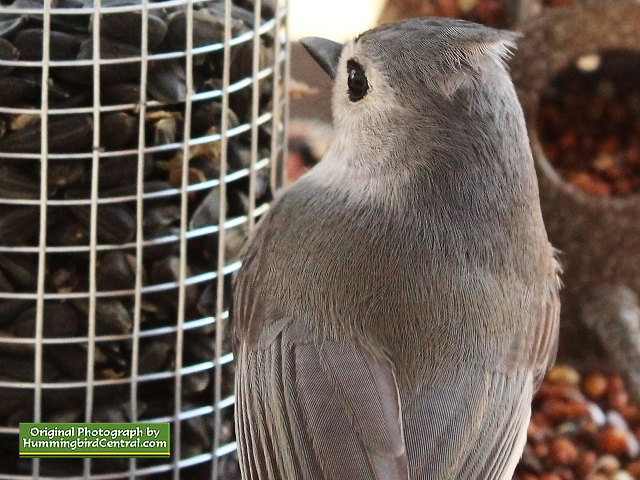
595, 386
563, 451
612, 440
634, 469
550, 476
586, 463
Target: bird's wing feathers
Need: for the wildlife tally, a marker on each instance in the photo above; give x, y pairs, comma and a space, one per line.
474, 420
310, 411
316, 411
546, 335
469, 424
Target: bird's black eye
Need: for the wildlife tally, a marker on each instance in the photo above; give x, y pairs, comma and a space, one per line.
356, 81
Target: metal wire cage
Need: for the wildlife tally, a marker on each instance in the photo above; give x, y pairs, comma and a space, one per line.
139, 143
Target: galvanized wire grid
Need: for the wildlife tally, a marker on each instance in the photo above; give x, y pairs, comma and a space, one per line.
114, 394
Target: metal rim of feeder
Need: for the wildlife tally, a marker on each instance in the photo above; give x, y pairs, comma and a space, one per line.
553, 43
278, 72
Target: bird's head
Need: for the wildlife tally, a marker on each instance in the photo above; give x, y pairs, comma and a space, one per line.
422, 78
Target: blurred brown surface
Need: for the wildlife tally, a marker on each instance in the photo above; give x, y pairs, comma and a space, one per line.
306, 70
495, 13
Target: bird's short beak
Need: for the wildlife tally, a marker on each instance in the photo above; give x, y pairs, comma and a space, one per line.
325, 52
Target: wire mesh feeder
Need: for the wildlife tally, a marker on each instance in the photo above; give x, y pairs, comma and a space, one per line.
123, 204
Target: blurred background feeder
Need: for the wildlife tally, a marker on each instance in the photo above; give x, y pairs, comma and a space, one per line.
134, 161
576, 71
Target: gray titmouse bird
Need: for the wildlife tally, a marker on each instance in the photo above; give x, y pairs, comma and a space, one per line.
398, 305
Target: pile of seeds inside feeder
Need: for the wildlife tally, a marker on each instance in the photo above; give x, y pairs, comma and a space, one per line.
589, 125
582, 427
69, 177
